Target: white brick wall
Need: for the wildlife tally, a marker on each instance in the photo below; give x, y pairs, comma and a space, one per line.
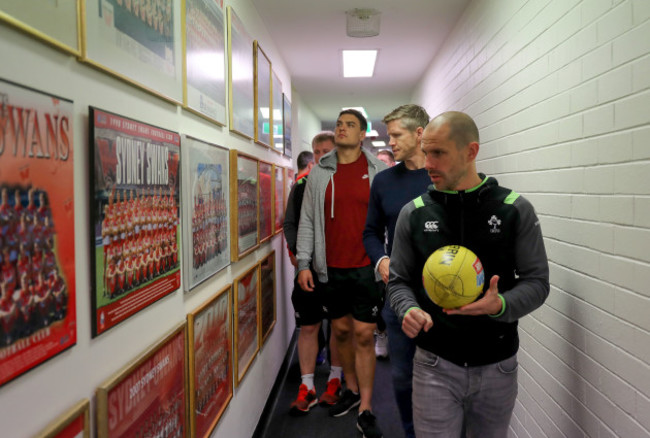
560, 90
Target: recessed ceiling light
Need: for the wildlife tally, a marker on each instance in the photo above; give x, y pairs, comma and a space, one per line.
359, 63
379, 144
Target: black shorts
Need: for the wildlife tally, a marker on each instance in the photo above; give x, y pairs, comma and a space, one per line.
308, 306
352, 291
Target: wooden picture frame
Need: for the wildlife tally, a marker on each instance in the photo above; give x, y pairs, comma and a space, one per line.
286, 121
74, 423
241, 101
210, 359
244, 210
204, 56
206, 210
57, 24
246, 317
266, 202
141, 46
263, 97
153, 385
277, 140
267, 297
134, 203
37, 228
279, 198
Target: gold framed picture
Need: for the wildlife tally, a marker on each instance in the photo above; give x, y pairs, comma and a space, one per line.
263, 98
241, 105
244, 204
246, 317
277, 118
266, 180
278, 188
74, 423
267, 296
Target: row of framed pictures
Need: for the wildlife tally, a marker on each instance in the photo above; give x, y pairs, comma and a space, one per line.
175, 49
232, 203
161, 393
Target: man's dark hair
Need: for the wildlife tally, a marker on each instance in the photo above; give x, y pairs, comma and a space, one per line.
362, 120
304, 158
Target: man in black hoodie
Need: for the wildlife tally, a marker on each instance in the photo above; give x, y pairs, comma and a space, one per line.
465, 365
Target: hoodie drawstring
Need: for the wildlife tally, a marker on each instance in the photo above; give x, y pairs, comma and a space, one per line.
332, 182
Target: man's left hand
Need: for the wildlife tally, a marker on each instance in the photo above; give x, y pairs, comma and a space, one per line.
490, 304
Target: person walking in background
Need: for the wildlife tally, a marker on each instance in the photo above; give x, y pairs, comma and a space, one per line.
387, 157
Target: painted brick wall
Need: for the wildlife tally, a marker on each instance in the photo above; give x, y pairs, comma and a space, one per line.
560, 90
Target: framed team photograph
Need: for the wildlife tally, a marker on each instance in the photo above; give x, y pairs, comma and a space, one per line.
244, 183
138, 41
267, 296
241, 103
286, 121
210, 362
266, 180
246, 321
134, 203
206, 210
205, 51
38, 317
277, 139
74, 423
148, 396
55, 23
278, 187
263, 98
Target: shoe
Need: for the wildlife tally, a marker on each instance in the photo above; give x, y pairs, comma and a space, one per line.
381, 344
305, 401
331, 394
367, 425
348, 401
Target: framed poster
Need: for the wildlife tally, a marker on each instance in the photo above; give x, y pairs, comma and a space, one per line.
206, 227
37, 239
134, 213
147, 397
278, 186
210, 362
74, 423
246, 319
139, 41
286, 120
267, 296
266, 180
205, 51
278, 123
241, 103
56, 23
263, 100
243, 205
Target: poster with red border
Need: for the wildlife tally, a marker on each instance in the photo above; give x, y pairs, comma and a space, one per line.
135, 216
73, 424
210, 362
246, 320
147, 398
37, 257
279, 197
267, 296
265, 197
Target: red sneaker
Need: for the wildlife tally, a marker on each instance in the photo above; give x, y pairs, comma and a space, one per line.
305, 401
331, 394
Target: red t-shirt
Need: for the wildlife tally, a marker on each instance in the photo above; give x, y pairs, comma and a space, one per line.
344, 232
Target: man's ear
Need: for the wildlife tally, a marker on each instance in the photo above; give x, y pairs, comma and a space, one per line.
472, 150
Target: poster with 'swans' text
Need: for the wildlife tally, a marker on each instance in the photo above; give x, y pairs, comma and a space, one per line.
37, 258
135, 214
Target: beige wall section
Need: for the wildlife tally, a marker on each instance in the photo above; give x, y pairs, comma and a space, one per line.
560, 90
32, 400
305, 126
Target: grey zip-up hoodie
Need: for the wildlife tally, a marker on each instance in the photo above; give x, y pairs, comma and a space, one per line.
311, 230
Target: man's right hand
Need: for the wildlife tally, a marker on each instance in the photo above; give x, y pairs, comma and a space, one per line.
415, 320
383, 269
305, 280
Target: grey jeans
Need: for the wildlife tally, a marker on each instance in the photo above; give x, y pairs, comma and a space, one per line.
448, 398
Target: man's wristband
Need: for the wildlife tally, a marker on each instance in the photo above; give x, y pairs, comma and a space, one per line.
409, 309
503, 307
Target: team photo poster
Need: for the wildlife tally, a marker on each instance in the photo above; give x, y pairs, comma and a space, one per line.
246, 319
266, 200
135, 216
210, 362
206, 228
267, 296
37, 257
244, 200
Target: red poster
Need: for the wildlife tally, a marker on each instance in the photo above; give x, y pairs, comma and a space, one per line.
37, 259
148, 398
246, 318
135, 216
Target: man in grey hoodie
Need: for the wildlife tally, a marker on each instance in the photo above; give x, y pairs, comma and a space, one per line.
330, 236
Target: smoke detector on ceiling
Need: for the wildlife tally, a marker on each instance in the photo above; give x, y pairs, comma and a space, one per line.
362, 23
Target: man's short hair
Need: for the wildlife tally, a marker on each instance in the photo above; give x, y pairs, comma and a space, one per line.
321, 137
304, 158
388, 153
362, 120
412, 116
462, 128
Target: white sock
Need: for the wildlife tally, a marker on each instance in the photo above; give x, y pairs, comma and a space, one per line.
308, 381
335, 373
